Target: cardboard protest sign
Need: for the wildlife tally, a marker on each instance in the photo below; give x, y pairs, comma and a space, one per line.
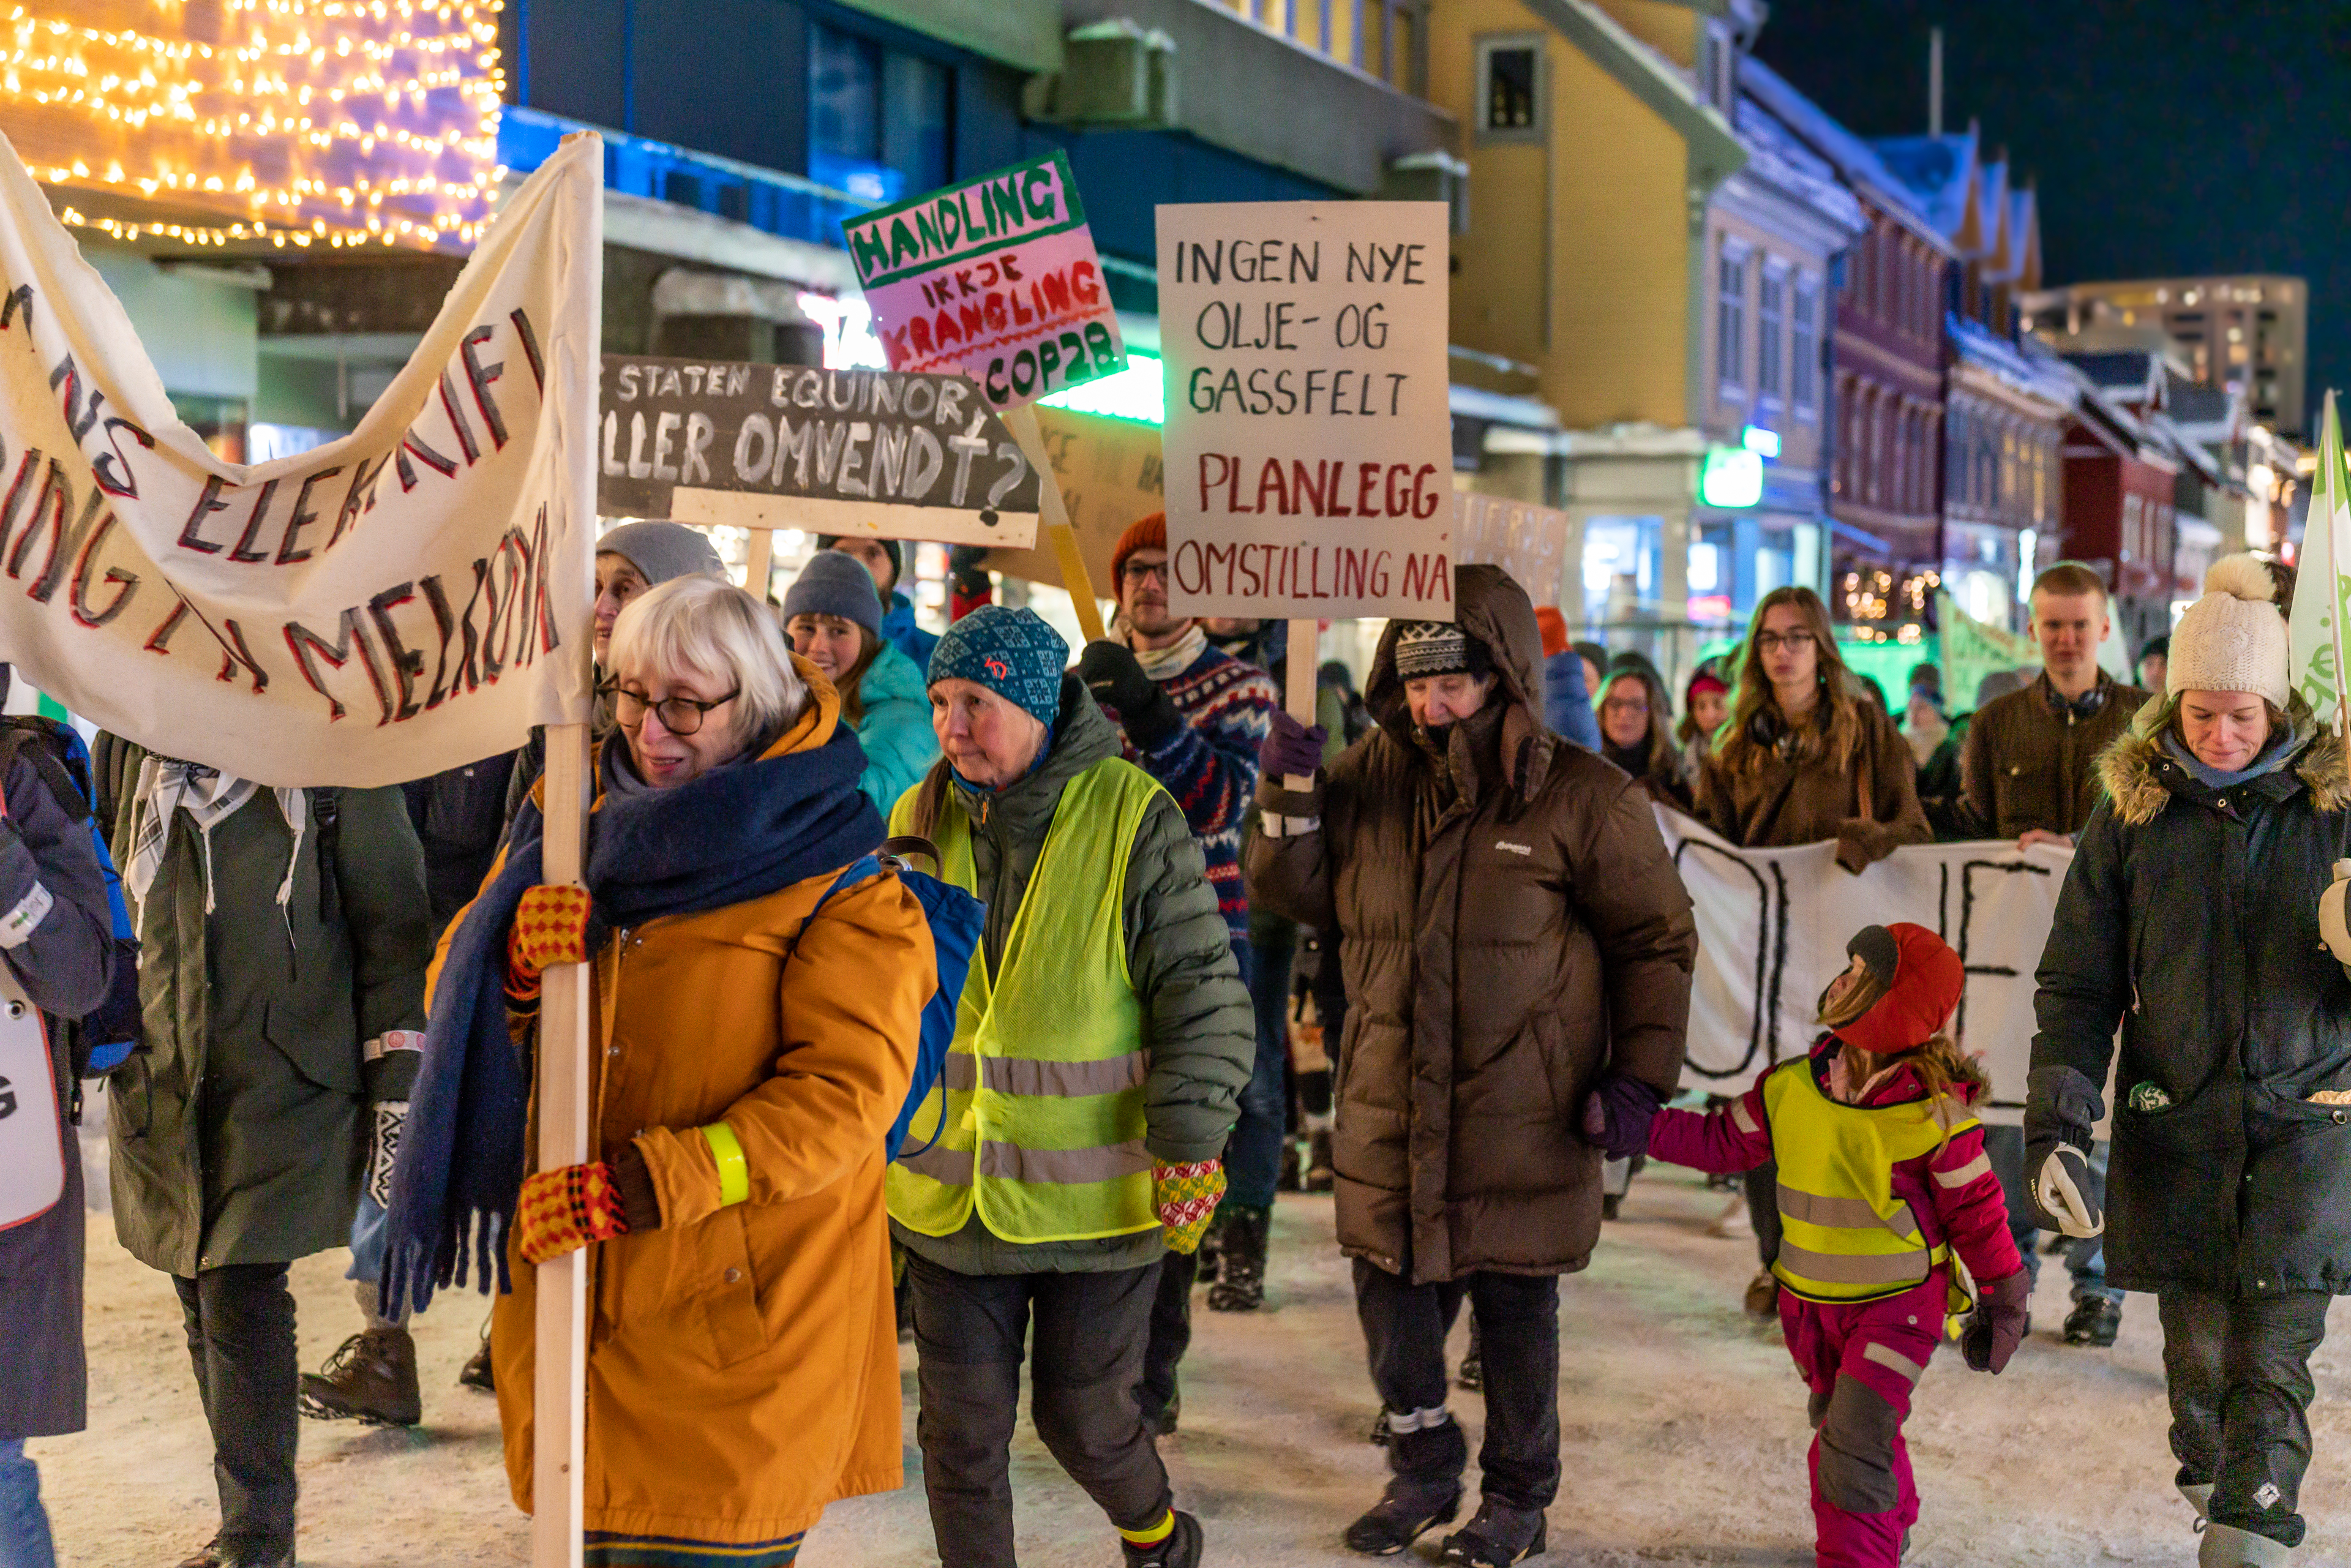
995, 278
1772, 927
1522, 538
1308, 439
1109, 472
408, 598
879, 452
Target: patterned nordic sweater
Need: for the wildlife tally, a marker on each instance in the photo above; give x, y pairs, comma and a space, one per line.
1210, 764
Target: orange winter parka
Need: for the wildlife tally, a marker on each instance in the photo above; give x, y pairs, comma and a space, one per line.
742, 1359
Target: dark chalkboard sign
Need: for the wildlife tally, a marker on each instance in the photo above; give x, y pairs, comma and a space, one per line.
888, 454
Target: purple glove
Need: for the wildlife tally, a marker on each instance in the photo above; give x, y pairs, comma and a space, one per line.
1617, 1114
1997, 1325
1290, 748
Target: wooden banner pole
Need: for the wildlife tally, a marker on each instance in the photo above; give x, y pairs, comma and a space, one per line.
561, 1360
1302, 670
1054, 517
759, 562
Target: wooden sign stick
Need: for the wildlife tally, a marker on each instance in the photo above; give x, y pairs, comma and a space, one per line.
759, 562
1055, 517
560, 1398
1300, 678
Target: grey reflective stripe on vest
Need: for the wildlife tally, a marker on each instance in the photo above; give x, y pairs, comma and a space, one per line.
950, 1167
1063, 1168
1048, 1079
1978, 1166
1841, 1269
1046, 1167
1847, 1213
1910, 1370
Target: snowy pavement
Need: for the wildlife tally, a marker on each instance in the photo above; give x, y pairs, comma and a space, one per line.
1683, 1432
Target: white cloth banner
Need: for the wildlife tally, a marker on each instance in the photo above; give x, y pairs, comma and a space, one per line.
409, 597
1772, 927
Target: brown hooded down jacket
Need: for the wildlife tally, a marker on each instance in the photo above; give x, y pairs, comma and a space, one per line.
1511, 926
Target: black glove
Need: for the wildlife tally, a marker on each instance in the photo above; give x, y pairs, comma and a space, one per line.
966, 571
1617, 1114
1997, 1325
2062, 1106
1291, 750
1145, 710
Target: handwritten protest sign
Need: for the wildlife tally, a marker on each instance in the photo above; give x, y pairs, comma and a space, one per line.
1309, 441
1522, 538
879, 452
1108, 470
407, 598
995, 278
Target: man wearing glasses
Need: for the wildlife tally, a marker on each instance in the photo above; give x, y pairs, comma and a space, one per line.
1193, 718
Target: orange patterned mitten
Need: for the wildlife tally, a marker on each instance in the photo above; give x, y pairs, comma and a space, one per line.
1187, 1196
550, 927
564, 1209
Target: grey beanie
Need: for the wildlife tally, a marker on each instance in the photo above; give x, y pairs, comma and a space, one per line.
832, 583
662, 551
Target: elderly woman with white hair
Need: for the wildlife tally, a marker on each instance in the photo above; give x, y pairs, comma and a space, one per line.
754, 1029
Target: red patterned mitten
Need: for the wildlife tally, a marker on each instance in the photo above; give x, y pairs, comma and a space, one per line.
564, 1209
1187, 1197
550, 928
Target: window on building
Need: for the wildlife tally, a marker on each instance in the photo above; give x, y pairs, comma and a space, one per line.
1771, 327
1804, 347
1509, 87
1730, 318
879, 119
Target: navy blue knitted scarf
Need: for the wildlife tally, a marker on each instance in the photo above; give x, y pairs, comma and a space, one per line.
738, 832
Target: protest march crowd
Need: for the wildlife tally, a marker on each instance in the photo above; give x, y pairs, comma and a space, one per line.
1166, 896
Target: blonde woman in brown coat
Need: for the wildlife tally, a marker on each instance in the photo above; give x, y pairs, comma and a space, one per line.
1804, 758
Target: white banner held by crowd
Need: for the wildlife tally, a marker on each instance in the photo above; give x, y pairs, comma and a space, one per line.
1772, 927
1309, 436
406, 599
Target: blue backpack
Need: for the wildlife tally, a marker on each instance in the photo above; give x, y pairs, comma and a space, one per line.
956, 920
101, 1040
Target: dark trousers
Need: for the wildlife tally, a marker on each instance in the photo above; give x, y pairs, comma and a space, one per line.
240, 1323
1762, 1186
969, 1332
2237, 1371
1171, 1333
1517, 1316
1253, 1153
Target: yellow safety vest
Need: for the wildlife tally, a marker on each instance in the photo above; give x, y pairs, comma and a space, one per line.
1041, 1103
1844, 1237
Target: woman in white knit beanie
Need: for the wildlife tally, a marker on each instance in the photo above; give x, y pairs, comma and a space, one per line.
2191, 920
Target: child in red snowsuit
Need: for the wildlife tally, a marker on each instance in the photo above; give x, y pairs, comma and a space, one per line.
1882, 1181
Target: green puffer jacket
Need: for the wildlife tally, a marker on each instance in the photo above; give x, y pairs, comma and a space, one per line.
1202, 1030
241, 1133
894, 727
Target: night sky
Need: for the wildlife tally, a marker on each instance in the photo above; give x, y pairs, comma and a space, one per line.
2167, 139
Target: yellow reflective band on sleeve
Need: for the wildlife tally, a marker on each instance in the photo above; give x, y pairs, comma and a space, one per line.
733, 1170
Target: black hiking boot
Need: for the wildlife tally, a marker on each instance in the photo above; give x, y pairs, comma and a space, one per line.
1241, 1287
1500, 1536
371, 1378
1320, 1176
1180, 1547
478, 1372
1407, 1511
2094, 1321
1472, 1375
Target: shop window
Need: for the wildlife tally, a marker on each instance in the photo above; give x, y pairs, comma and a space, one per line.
879, 119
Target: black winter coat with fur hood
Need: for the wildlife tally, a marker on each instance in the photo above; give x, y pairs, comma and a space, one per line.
2190, 918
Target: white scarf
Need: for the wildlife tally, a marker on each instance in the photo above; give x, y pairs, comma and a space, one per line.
1166, 663
209, 797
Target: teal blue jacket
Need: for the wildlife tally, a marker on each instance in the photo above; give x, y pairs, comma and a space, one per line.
896, 730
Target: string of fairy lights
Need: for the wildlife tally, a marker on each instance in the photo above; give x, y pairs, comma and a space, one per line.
319, 123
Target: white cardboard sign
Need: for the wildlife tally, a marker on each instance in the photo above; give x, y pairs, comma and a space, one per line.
1309, 437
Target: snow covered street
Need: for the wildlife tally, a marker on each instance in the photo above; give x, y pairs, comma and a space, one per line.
1683, 1432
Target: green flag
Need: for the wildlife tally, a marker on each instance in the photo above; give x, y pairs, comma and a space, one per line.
2322, 580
